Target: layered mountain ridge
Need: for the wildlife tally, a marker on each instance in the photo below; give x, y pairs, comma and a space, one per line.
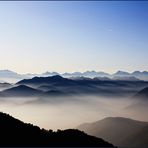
56, 85
8, 74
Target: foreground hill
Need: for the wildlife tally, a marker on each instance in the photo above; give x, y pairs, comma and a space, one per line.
120, 131
14, 132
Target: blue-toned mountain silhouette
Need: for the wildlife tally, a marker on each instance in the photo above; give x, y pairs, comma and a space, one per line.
142, 75
21, 90
143, 94
57, 85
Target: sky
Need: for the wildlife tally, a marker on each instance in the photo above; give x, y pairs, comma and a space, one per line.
68, 36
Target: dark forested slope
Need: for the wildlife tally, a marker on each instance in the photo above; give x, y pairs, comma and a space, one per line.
14, 132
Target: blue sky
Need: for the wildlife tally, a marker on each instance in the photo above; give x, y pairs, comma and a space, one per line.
73, 36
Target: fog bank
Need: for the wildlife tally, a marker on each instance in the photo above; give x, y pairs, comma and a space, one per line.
68, 112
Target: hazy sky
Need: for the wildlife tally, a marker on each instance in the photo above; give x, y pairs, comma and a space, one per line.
73, 36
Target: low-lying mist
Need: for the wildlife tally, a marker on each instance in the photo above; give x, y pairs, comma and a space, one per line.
68, 112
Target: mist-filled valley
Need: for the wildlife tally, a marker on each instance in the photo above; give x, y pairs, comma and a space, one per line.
74, 74
68, 112
59, 103
89, 104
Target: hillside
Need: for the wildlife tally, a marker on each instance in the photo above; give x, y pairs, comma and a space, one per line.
14, 132
142, 94
120, 131
21, 90
139, 103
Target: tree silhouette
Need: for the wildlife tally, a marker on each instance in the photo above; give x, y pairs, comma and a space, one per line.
14, 132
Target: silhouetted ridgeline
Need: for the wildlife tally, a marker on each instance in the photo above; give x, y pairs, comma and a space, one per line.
57, 86
14, 132
123, 132
143, 94
142, 75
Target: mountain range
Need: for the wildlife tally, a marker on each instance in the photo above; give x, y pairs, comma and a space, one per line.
58, 85
11, 76
14, 132
123, 132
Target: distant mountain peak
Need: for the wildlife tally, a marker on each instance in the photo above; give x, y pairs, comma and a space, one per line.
121, 73
120, 119
22, 87
57, 77
7, 72
20, 90
126, 78
143, 94
8, 75
139, 72
50, 73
